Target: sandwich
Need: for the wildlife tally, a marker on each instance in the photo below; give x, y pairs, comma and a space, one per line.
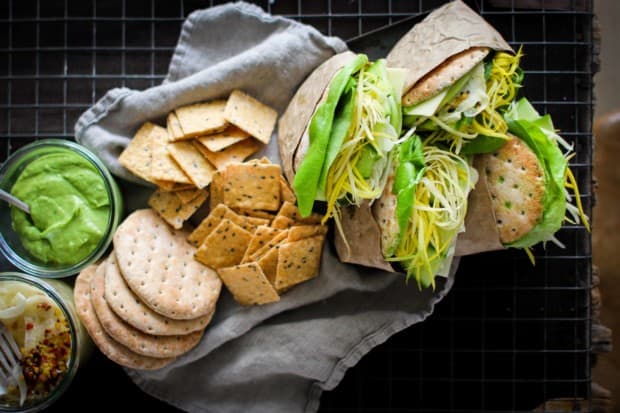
339, 149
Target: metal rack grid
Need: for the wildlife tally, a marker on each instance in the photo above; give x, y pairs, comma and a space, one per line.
509, 336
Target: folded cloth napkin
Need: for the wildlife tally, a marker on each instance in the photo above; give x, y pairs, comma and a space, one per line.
278, 357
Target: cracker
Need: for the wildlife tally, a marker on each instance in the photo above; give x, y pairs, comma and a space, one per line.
164, 168
216, 190
157, 264
278, 239
224, 246
254, 213
516, 183
195, 166
202, 119
269, 264
282, 222
248, 284
298, 261
132, 338
169, 186
255, 186
172, 209
133, 311
298, 232
187, 195
173, 126
137, 156
218, 141
235, 153
251, 115
207, 225
260, 238
109, 347
286, 192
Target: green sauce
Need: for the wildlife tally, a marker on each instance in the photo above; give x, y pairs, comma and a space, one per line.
69, 205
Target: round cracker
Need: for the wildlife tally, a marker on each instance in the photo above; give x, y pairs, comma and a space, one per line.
158, 264
445, 75
135, 340
133, 311
111, 348
516, 183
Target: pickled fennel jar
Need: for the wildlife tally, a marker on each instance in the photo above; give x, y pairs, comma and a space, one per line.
41, 316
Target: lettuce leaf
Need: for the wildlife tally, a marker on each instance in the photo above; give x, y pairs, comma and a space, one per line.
307, 177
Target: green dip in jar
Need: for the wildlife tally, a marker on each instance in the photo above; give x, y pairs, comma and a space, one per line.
69, 207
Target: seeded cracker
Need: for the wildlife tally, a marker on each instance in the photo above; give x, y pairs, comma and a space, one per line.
221, 140
298, 232
111, 348
207, 225
248, 212
175, 132
216, 190
187, 195
248, 284
133, 339
157, 264
169, 186
164, 167
298, 261
286, 193
172, 209
255, 186
251, 115
225, 245
275, 241
202, 119
282, 222
199, 170
235, 153
261, 237
269, 264
133, 311
137, 156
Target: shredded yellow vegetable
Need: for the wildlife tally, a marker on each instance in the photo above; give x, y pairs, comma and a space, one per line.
344, 180
438, 214
501, 87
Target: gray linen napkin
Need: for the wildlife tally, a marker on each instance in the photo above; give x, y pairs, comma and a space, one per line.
277, 357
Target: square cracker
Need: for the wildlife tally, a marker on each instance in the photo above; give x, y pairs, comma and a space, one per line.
137, 156
278, 239
169, 186
298, 261
207, 225
256, 213
282, 222
199, 170
260, 238
224, 246
202, 118
255, 186
286, 192
269, 264
187, 195
218, 141
251, 115
235, 153
297, 232
175, 132
216, 189
248, 284
163, 167
172, 210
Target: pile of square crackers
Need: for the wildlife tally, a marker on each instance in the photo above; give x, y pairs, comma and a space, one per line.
198, 140
254, 236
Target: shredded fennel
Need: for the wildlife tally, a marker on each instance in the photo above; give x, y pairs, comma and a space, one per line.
344, 180
438, 215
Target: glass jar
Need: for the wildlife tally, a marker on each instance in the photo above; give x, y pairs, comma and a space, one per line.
45, 299
11, 243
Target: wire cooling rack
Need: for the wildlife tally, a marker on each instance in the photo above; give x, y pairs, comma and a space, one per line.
508, 337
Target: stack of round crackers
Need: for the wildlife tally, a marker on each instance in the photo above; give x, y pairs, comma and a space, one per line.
149, 301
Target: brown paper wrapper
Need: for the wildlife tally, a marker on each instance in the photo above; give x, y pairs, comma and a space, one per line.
449, 30
293, 124
363, 236
481, 233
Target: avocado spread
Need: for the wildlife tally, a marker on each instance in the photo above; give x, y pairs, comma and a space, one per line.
69, 207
